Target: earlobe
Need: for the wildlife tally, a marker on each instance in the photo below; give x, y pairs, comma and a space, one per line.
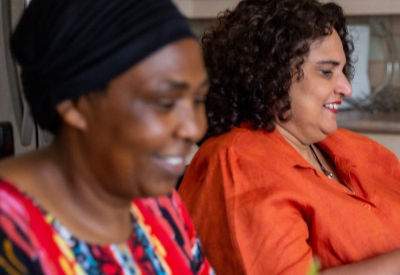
71, 115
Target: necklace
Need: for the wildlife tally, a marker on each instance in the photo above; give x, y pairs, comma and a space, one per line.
327, 173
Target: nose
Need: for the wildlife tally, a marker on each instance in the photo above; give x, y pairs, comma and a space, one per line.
343, 86
192, 122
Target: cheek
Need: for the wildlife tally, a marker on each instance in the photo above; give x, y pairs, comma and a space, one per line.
300, 104
304, 110
307, 100
145, 133
133, 148
140, 125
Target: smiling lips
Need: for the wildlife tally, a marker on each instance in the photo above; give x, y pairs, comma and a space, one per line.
333, 107
174, 166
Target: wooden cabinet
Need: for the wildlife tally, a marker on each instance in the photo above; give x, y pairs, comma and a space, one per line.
201, 9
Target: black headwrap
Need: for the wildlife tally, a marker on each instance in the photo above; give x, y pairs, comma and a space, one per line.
70, 47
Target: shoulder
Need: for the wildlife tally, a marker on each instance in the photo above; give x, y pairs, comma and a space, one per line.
347, 143
237, 162
20, 211
15, 207
22, 170
241, 143
344, 136
9, 168
10, 195
21, 225
360, 151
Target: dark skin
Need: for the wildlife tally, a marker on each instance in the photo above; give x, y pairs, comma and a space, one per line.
126, 142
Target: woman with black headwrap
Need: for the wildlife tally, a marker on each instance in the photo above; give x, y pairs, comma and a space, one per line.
121, 84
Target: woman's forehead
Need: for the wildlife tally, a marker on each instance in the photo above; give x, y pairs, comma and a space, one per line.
329, 47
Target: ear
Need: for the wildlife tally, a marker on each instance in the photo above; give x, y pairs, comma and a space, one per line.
71, 115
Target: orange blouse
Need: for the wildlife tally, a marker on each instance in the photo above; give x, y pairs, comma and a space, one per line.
260, 208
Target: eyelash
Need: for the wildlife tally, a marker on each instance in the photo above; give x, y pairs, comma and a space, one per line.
326, 73
199, 100
165, 104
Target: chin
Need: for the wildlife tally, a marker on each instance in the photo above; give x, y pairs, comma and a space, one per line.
327, 133
330, 129
160, 189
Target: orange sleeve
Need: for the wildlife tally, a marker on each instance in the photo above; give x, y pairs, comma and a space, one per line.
266, 221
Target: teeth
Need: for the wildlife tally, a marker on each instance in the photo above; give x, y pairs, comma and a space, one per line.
174, 160
332, 106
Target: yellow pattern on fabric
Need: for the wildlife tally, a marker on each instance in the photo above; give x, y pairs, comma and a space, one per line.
67, 261
49, 218
64, 248
136, 212
7, 267
65, 266
8, 249
79, 270
158, 247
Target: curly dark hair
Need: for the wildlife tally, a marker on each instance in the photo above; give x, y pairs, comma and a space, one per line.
253, 52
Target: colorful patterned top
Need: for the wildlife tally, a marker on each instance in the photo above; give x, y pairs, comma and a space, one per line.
163, 241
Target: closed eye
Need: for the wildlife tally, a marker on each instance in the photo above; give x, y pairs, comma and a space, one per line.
164, 105
200, 95
199, 99
327, 66
326, 73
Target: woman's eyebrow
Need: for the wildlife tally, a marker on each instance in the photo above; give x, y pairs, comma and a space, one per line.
205, 83
176, 84
182, 85
329, 62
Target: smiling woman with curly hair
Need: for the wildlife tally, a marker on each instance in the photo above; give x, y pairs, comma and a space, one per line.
251, 53
275, 183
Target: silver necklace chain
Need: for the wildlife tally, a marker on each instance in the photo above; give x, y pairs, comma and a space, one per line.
327, 173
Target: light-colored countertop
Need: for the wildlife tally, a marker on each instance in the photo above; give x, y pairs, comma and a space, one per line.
388, 123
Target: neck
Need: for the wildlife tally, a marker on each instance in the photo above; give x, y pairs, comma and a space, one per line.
80, 176
303, 148
308, 151
104, 216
